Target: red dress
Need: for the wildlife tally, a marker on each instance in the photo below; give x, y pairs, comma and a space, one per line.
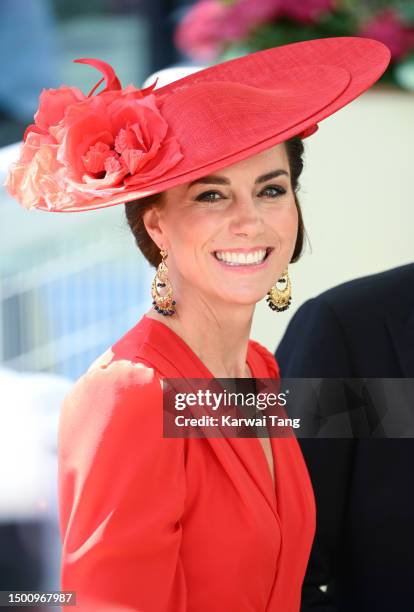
154, 524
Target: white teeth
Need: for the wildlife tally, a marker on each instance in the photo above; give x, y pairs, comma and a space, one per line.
231, 258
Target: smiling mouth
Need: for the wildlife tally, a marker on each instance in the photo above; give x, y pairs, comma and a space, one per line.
252, 258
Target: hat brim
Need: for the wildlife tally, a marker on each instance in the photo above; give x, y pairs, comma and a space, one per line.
325, 74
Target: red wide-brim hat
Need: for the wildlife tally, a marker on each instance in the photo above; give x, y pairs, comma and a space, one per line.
88, 152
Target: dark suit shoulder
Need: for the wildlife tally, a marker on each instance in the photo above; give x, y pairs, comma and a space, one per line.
386, 290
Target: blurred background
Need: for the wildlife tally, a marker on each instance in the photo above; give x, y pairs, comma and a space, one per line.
70, 285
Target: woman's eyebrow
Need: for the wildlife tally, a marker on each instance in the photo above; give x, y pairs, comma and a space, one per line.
270, 175
221, 180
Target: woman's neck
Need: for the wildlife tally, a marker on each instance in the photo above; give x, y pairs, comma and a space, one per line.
219, 339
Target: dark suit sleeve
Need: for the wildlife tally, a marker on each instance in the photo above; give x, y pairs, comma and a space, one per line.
314, 346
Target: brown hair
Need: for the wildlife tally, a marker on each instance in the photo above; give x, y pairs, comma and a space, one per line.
135, 210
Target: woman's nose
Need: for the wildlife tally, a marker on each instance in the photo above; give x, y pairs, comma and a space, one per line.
245, 216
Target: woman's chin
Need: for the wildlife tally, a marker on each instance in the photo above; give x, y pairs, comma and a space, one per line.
243, 299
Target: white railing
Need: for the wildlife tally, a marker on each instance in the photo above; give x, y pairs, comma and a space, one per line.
60, 315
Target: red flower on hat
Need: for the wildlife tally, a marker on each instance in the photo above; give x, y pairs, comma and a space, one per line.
81, 148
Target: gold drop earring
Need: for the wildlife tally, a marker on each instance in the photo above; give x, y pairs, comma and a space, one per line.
161, 289
279, 298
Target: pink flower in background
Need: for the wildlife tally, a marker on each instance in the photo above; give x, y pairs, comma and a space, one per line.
306, 11
244, 15
200, 33
209, 24
389, 29
82, 148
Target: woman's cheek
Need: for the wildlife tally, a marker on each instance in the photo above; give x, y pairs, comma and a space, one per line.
290, 221
284, 221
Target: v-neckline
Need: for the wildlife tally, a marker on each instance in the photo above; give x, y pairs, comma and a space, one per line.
207, 374
194, 355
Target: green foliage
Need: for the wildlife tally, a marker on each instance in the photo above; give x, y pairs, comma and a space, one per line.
404, 72
405, 9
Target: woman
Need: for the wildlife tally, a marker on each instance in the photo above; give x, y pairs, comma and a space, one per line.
208, 167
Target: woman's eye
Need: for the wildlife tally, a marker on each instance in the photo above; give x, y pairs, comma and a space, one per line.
277, 190
209, 196
203, 196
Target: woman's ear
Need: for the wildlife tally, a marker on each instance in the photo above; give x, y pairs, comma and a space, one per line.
152, 221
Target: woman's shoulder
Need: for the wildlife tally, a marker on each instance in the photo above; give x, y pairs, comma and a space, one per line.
117, 373
110, 408
113, 389
267, 357
121, 365
125, 349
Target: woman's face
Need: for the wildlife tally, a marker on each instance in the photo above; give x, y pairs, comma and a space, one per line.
229, 236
